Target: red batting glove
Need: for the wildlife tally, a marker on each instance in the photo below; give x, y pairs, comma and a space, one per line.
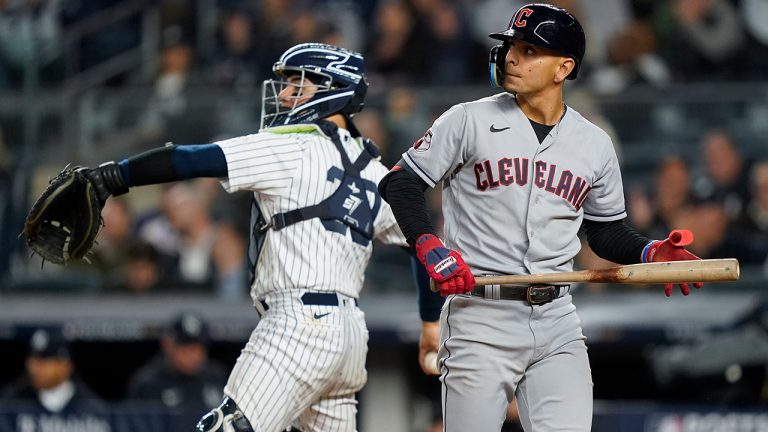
671, 249
445, 266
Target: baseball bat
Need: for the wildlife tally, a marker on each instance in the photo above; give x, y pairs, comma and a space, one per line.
705, 270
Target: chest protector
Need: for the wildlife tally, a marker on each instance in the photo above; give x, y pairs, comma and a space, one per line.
346, 209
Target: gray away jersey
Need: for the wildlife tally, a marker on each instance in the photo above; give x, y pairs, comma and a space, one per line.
510, 204
292, 167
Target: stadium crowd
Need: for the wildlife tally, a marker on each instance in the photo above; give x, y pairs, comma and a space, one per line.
188, 236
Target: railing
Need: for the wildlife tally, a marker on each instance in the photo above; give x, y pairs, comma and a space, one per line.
648, 122
37, 105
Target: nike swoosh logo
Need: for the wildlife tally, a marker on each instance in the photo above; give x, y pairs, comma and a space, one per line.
493, 129
320, 315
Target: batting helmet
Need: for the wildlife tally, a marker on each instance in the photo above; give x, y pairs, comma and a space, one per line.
542, 25
336, 74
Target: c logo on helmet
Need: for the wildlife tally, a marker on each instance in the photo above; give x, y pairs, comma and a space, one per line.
524, 13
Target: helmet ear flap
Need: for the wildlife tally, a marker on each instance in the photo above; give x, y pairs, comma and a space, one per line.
496, 63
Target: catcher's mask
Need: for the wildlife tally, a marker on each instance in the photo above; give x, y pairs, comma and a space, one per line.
541, 25
336, 76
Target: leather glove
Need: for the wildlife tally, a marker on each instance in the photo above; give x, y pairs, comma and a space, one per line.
672, 249
444, 266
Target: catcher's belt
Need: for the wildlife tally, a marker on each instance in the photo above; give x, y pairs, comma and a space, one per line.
321, 299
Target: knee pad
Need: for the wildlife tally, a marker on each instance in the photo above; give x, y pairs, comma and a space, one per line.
227, 417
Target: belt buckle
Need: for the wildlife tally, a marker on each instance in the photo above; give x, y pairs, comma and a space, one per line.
539, 294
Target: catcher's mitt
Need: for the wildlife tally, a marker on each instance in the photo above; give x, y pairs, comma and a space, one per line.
64, 221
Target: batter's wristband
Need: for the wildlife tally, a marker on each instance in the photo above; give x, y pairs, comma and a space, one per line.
425, 243
644, 256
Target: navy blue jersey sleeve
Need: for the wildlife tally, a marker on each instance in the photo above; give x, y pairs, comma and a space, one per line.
174, 163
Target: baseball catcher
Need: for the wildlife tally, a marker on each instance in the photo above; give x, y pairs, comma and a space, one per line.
312, 178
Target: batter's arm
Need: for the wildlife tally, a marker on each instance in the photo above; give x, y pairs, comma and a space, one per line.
404, 191
615, 241
618, 242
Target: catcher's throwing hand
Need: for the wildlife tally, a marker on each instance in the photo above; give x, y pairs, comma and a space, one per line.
672, 249
63, 222
445, 266
429, 342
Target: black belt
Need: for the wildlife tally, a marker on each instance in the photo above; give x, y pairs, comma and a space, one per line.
534, 294
317, 299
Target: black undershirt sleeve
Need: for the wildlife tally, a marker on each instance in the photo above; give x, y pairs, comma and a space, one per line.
404, 191
615, 241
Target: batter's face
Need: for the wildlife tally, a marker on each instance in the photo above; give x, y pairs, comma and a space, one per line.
299, 90
530, 69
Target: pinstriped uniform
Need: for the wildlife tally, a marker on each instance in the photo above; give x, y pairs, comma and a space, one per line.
304, 362
514, 205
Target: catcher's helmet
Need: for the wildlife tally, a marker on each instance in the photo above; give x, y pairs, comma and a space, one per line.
541, 25
336, 73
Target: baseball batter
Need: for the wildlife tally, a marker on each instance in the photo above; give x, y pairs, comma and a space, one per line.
521, 173
315, 213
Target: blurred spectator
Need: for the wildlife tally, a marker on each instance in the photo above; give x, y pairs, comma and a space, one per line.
13, 186
371, 125
601, 21
405, 120
754, 15
101, 39
143, 272
109, 252
455, 56
714, 239
654, 216
755, 218
207, 254
30, 42
395, 49
274, 23
50, 384
346, 17
154, 227
700, 39
169, 115
631, 58
640, 208
236, 61
183, 379
309, 26
726, 180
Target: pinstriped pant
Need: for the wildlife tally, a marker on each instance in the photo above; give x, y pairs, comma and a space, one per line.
302, 366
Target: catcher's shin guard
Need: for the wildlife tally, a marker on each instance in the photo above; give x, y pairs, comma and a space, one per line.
226, 418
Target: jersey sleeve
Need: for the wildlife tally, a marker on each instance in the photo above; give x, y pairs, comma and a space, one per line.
261, 162
386, 229
605, 202
442, 147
